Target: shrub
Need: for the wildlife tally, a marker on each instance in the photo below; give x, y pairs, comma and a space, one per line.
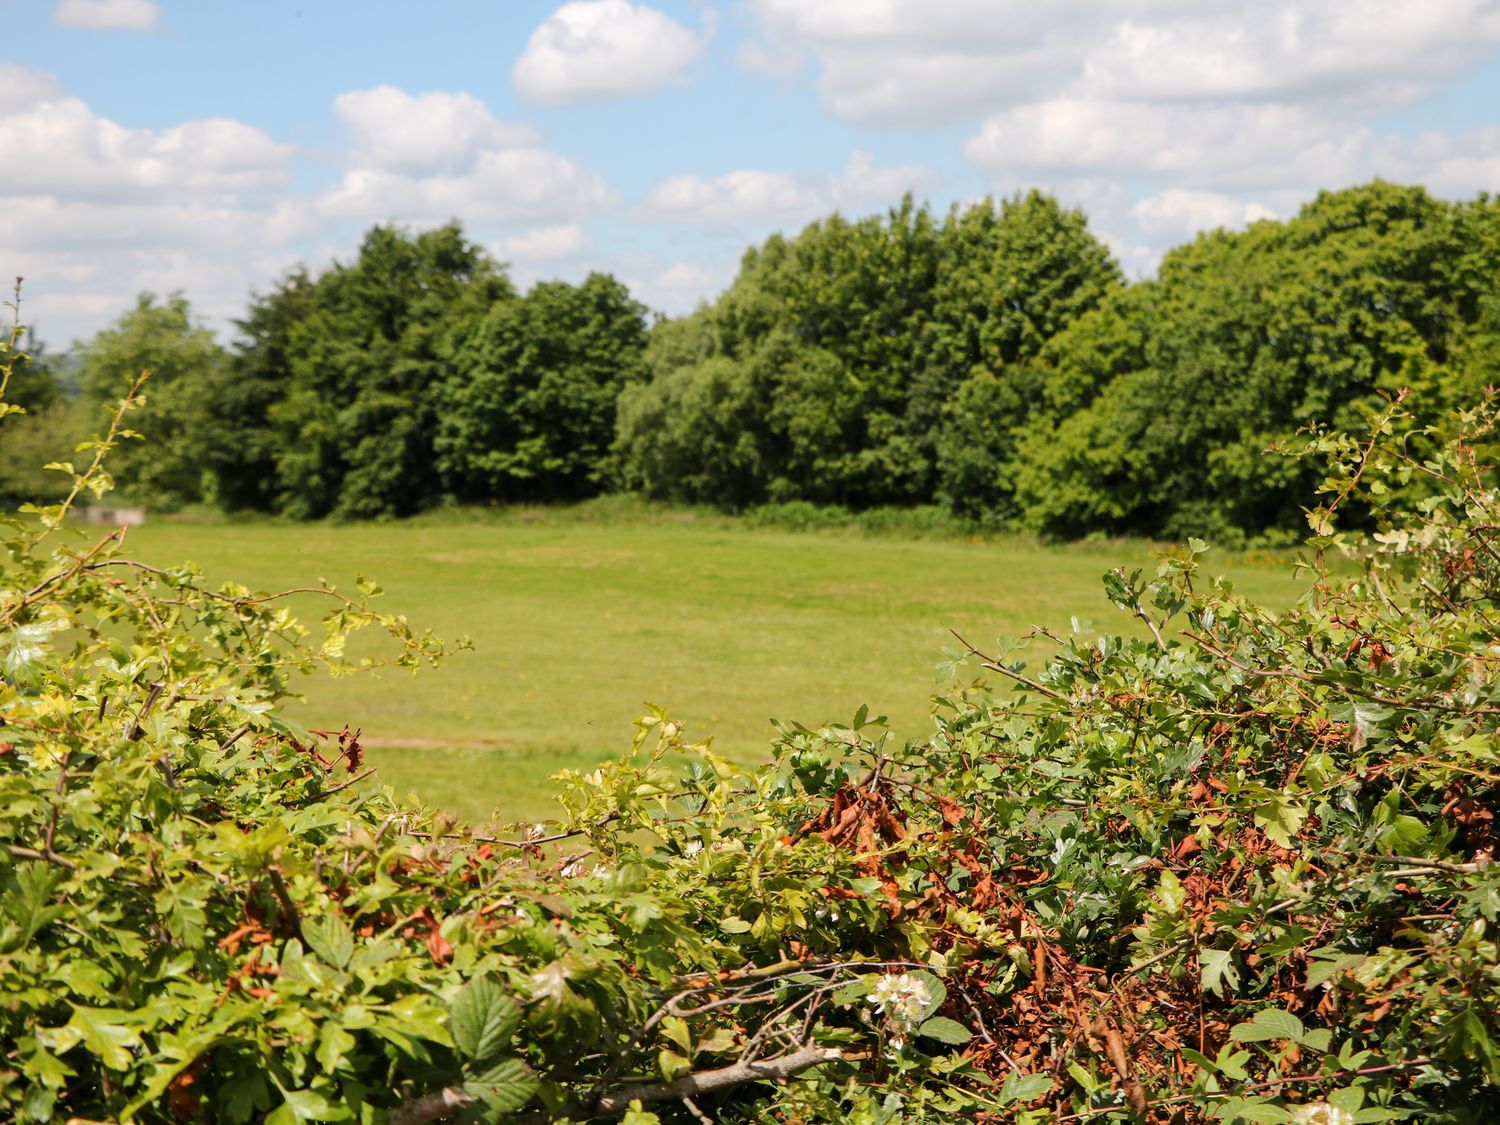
1235, 867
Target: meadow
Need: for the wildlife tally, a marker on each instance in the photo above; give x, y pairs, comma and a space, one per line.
579, 615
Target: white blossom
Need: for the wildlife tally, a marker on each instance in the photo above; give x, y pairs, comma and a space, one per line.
903, 997
1321, 1113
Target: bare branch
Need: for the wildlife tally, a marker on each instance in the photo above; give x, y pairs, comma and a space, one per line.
430, 1107
709, 1081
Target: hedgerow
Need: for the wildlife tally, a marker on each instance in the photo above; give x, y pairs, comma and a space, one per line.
1224, 863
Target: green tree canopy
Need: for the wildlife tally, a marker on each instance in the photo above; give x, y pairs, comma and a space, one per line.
364, 369
1179, 385
527, 410
163, 337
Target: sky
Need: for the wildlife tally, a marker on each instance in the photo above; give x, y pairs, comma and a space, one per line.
208, 146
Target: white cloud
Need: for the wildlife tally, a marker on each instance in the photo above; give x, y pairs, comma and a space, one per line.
545, 244
925, 62
91, 211
1226, 145
1380, 52
21, 87
435, 131
513, 185
752, 196
1180, 213
427, 158
129, 15
597, 49
678, 288
57, 145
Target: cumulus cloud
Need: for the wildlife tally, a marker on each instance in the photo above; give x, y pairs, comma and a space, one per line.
545, 244
57, 145
129, 15
430, 132
1235, 145
427, 158
514, 185
750, 196
677, 287
91, 210
925, 62
596, 49
1373, 53
1180, 213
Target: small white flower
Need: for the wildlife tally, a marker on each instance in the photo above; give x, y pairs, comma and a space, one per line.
903, 997
1321, 1113
600, 870
692, 848
536, 831
572, 869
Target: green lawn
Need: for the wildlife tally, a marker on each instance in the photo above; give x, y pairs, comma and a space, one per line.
577, 618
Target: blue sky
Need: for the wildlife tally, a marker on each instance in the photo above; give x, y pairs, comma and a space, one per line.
208, 146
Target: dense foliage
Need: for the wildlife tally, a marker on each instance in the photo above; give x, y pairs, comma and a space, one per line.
1232, 864
993, 361
841, 365
1168, 394
411, 376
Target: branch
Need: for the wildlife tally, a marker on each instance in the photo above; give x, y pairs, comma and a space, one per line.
445, 1103
995, 666
49, 855
430, 1107
709, 1081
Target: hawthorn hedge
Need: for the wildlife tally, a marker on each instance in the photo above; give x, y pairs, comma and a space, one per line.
1222, 863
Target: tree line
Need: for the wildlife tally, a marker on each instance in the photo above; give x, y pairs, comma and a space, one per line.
994, 361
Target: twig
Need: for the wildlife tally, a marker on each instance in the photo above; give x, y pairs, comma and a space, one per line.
320, 794
284, 899
996, 666
235, 737
136, 729
50, 856
431, 1107
709, 1081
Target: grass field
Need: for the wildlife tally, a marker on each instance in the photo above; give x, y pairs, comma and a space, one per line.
579, 615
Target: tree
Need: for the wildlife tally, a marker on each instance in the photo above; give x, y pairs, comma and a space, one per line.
161, 336
527, 407
356, 425
857, 338
248, 389
1243, 339
1014, 276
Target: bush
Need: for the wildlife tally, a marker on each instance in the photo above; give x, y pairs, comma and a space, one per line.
1237, 868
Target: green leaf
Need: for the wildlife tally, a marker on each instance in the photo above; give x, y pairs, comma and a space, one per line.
482, 1019
104, 1032
1280, 818
28, 902
334, 1045
330, 937
1259, 1112
1270, 1023
945, 1030
1020, 1087
676, 1029
1217, 970
505, 1087
1170, 891
309, 1105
